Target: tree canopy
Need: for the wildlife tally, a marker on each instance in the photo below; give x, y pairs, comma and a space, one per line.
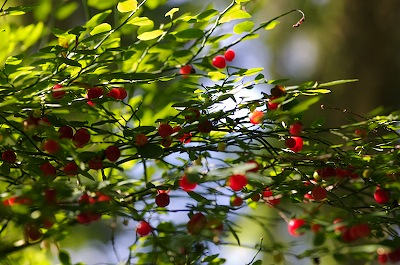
151, 124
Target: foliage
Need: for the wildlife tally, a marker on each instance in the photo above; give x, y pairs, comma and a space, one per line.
75, 149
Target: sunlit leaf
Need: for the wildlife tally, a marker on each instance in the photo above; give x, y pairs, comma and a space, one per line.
172, 12
103, 27
244, 26
271, 24
234, 14
127, 6
150, 35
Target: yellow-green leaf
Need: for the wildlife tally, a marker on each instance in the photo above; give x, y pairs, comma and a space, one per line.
245, 26
103, 27
141, 21
127, 6
216, 75
233, 14
172, 12
272, 25
150, 35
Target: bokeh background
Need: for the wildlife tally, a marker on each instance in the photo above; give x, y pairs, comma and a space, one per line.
340, 39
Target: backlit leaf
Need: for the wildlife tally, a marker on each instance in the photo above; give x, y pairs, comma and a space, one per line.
127, 6
150, 35
244, 26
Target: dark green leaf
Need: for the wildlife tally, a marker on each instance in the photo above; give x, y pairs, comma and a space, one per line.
190, 34
151, 151
69, 62
197, 197
64, 257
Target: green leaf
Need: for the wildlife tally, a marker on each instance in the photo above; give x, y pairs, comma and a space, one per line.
216, 75
234, 234
151, 151
304, 105
197, 197
319, 239
69, 62
97, 19
127, 6
103, 27
233, 14
257, 262
171, 12
141, 21
64, 257
337, 82
271, 24
17, 10
190, 34
245, 26
150, 35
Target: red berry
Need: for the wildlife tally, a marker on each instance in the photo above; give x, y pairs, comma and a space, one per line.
296, 128
268, 196
165, 130
57, 91
196, 223
229, 55
256, 117
360, 230
271, 104
327, 172
9, 156
294, 225
114, 93
381, 196
81, 137
186, 185
83, 218
294, 143
50, 196
339, 226
112, 153
383, 259
48, 170
65, 131
70, 169
101, 197
30, 123
361, 133
186, 70
205, 126
166, 142
162, 199
122, 93
319, 193
84, 199
237, 182
219, 61
95, 163
51, 146
290, 142
141, 139
143, 228
236, 201
191, 114
94, 92
33, 233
